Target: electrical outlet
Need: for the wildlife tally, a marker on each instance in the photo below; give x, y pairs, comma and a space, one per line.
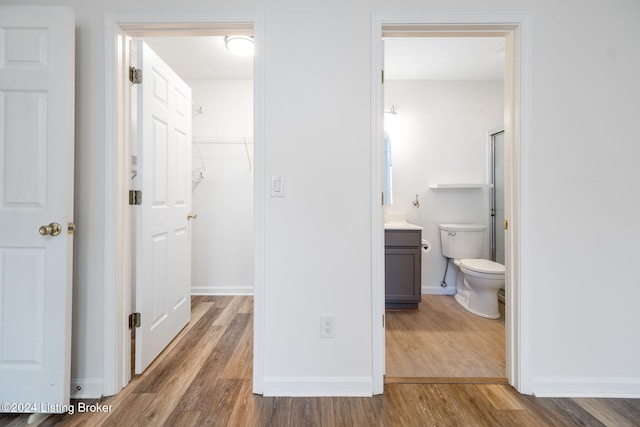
327, 326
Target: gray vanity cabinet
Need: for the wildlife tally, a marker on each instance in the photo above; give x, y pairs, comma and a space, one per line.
403, 259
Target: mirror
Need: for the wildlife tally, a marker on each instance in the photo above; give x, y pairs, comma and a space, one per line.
387, 195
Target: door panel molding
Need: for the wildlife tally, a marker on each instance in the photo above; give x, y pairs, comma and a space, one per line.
163, 244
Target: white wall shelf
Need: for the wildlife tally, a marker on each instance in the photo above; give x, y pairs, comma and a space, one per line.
461, 186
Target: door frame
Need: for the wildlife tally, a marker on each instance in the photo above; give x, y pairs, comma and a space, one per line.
119, 26
517, 30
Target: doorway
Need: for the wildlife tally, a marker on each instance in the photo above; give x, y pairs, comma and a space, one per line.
441, 96
218, 180
516, 32
120, 29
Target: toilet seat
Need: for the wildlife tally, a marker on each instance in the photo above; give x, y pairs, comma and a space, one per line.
483, 266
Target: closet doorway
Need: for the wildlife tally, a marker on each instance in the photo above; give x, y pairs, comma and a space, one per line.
222, 160
122, 28
220, 180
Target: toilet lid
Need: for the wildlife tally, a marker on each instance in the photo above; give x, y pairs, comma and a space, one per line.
483, 266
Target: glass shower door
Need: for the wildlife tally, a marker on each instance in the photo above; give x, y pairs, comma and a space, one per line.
497, 197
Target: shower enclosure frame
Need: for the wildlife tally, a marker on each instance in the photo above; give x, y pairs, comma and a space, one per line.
493, 211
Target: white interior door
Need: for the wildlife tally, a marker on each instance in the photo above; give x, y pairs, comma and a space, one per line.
163, 244
37, 56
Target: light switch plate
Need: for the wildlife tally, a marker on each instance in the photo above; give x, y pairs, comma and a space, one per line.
277, 186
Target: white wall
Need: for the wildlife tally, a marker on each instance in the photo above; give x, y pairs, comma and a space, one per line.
584, 178
580, 164
317, 238
222, 241
439, 136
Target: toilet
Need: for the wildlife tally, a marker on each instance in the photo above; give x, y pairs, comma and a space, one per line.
477, 280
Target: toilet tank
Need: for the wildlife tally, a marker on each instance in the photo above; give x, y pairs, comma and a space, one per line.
462, 240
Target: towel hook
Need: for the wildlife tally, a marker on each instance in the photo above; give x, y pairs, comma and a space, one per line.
416, 202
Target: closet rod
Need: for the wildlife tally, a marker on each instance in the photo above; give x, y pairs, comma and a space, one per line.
223, 140
231, 140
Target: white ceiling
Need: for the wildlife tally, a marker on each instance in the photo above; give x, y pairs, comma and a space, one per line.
201, 58
420, 58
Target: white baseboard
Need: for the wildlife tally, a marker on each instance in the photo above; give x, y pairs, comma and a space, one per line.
438, 290
318, 387
222, 290
586, 387
86, 388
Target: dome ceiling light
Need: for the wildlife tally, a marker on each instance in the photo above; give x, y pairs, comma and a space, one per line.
239, 45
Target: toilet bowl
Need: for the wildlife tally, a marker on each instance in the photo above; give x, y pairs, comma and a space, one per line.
477, 286
477, 280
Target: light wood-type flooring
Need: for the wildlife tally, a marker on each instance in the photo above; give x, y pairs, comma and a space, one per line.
443, 340
204, 378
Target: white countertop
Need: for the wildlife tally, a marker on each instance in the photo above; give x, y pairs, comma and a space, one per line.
401, 226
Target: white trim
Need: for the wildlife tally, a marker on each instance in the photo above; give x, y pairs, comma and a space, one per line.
259, 188
619, 388
516, 28
222, 290
377, 213
318, 386
520, 370
117, 285
113, 275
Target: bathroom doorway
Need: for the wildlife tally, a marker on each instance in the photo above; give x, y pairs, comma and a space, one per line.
426, 332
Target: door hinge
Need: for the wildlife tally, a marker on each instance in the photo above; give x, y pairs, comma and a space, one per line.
135, 320
506, 224
383, 320
135, 197
135, 75
382, 76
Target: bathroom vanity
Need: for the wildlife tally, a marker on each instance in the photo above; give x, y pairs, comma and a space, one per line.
403, 260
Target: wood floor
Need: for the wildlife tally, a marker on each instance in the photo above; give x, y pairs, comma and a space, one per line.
204, 378
443, 340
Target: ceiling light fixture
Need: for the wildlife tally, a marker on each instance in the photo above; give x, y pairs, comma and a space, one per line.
240, 45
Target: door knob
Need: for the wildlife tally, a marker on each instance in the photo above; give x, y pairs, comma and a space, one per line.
192, 215
52, 229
